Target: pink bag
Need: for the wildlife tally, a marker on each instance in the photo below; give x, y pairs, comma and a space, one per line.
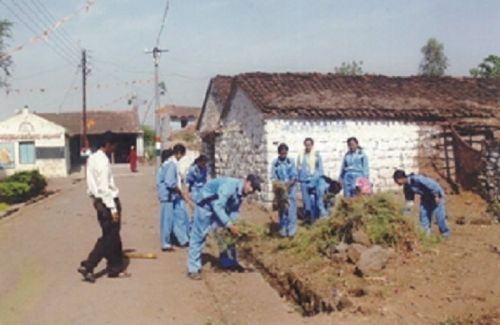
363, 185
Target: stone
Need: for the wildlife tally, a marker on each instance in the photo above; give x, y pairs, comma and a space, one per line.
360, 237
344, 303
372, 259
354, 252
341, 248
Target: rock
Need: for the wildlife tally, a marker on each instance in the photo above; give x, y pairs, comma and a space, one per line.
360, 237
344, 303
372, 260
461, 221
341, 248
354, 252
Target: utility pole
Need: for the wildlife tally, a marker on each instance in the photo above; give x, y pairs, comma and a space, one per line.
158, 125
84, 141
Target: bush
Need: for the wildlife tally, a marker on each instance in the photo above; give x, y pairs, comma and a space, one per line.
22, 186
14, 192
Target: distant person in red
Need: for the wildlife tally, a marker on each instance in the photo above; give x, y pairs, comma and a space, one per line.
133, 159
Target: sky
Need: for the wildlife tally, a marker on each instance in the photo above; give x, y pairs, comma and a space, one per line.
209, 37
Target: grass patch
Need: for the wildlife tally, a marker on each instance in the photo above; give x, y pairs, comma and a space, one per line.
379, 216
3, 206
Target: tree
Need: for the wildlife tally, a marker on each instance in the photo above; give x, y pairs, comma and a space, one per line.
489, 68
149, 136
350, 69
434, 63
5, 59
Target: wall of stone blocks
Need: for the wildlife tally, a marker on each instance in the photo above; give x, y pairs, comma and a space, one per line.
389, 145
490, 175
241, 148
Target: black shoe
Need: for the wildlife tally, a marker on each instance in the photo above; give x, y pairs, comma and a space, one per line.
120, 275
87, 276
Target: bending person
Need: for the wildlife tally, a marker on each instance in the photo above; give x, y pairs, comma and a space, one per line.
432, 199
219, 201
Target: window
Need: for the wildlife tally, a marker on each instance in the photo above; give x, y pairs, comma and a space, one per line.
26, 152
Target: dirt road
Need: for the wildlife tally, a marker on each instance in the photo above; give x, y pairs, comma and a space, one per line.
42, 245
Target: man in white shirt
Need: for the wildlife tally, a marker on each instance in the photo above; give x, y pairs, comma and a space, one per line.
104, 193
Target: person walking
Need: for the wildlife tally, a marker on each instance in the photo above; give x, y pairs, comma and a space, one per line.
219, 201
284, 171
173, 214
432, 199
104, 195
310, 169
354, 166
133, 159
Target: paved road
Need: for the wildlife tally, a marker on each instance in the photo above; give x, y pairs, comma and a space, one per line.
42, 245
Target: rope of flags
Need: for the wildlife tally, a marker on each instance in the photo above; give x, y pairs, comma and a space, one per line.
99, 86
44, 35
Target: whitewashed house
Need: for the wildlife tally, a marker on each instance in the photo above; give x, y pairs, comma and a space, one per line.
396, 119
30, 142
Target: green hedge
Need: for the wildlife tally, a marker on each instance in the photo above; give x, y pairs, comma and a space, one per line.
22, 186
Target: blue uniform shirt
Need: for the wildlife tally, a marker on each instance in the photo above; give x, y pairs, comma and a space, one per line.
305, 174
283, 170
224, 195
167, 182
196, 177
355, 162
426, 187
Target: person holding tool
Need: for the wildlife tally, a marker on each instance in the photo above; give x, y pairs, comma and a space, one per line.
219, 201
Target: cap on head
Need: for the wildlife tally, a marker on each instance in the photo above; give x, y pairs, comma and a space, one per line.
255, 181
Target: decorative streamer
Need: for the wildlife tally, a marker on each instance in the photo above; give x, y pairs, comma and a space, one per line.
44, 35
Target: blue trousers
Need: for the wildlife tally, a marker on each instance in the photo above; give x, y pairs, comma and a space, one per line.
173, 219
288, 219
203, 218
349, 184
427, 209
312, 196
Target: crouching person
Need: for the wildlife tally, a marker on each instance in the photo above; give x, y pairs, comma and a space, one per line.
432, 199
218, 201
327, 189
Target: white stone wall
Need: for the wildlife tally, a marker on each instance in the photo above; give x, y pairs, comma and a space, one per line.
27, 127
211, 115
389, 145
241, 149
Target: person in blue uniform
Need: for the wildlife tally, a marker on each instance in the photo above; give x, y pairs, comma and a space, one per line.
283, 170
173, 214
218, 201
197, 176
310, 169
432, 199
354, 165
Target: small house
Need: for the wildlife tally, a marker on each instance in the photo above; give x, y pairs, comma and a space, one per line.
124, 124
401, 122
31, 142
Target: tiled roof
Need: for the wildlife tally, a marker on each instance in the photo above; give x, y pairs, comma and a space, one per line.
182, 111
315, 95
220, 89
97, 121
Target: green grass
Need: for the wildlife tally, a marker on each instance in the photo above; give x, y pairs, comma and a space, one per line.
379, 216
3, 206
